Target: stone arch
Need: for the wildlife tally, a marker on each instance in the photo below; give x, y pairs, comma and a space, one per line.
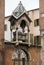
28, 55
23, 54
24, 25
23, 59
24, 21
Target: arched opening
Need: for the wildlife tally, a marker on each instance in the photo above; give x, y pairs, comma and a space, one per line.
21, 33
20, 57
24, 26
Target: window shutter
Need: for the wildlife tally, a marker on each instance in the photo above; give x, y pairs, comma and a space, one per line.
31, 39
37, 40
36, 22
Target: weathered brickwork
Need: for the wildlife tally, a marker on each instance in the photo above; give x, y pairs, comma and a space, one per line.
34, 52
8, 57
34, 56
41, 14
2, 10
41, 6
41, 23
42, 28
2, 21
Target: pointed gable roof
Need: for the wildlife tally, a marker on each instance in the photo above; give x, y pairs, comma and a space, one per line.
18, 13
19, 10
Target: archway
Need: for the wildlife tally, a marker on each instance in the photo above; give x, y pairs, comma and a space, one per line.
20, 57
24, 25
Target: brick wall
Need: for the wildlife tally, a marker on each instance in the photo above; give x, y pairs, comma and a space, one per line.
34, 56
8, 56
41, 6
34, 53
1, 22
41, 2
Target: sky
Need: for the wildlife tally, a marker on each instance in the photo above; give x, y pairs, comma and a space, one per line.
10, 5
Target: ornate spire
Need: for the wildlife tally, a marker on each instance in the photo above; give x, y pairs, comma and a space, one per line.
20, 3
19, 10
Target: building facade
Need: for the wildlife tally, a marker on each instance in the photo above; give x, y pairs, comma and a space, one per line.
22, 37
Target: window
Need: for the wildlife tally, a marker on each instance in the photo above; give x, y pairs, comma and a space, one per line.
31, 38
37, 40
23, 24
36, 22
5, 27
